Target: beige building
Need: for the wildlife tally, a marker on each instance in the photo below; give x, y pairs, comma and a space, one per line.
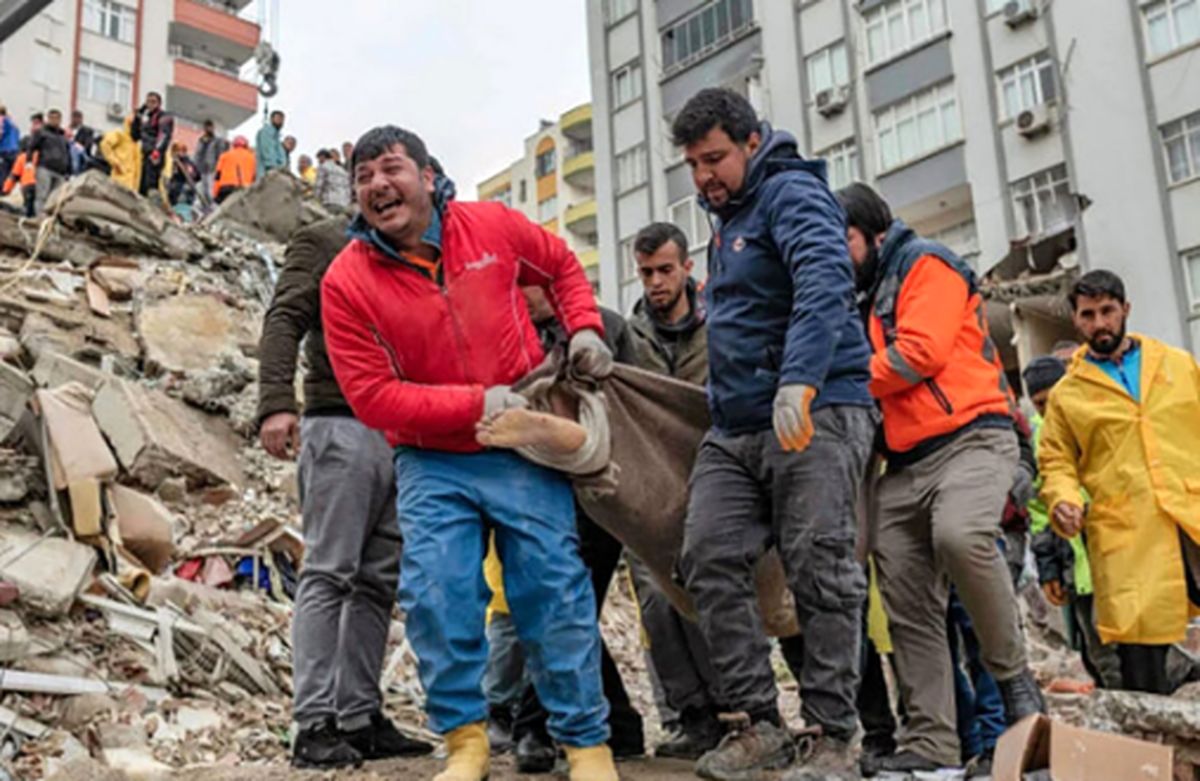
554, 184
103, 56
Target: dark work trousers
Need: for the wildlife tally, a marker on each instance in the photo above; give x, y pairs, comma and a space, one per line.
1144, 668
601, 553
747, 494
151, 173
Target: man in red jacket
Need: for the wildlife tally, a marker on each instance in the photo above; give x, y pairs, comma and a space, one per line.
427, 330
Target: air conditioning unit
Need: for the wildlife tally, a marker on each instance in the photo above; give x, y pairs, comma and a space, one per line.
1035, 121
116, 111
1018, 12
831, 102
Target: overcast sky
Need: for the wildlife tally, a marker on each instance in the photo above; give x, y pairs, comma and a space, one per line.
471, 77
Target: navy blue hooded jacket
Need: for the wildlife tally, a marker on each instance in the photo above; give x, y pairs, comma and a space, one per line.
781, 293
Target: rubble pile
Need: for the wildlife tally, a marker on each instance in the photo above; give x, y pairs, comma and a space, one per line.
148, 552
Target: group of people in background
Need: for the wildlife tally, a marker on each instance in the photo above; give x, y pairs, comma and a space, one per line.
144, 155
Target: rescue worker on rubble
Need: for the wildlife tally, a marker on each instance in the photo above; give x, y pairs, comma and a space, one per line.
792, 429
24, 175
269, 151
152, 127
235, 170
952, 454
123, 155
352, 542
1122, 426
426, 336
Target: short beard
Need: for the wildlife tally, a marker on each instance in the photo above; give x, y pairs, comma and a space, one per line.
1106, 347
666, 308
865, 273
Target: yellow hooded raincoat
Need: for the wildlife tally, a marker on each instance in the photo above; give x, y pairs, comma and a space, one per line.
124, 155
1139, 462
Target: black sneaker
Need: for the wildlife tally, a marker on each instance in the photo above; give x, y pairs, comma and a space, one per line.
381, 740
499, 730
745, 752
535, 754
323, 747
699, 732
902, 762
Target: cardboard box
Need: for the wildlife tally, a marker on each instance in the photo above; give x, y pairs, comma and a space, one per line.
1075, 754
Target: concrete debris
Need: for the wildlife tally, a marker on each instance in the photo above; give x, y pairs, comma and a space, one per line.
156, 437
191, 333
20, 476
53, 369
14, 639
15, 391
146, 528
49, 572
271, 210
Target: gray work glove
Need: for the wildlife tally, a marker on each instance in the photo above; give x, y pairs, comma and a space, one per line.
589, 355
792, 417
499, 398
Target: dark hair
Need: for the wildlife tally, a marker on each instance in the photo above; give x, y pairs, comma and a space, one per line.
322, 154
714, 108
208, 122
153, 94
1043, 373
1097, 284
53, 111
37, 116
865, 209
379, 140
276, 113
76, 113
651, 239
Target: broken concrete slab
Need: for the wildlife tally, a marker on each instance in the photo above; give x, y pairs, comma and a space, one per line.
21, 235
271, 210
16, 388
145, 526
74, 334
14, 639
191, 333
156, 437
20, 476
49, 571
53, 369
80, 451
112, 215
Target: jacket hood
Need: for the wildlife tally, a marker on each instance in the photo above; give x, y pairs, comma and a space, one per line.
778, 152
444, 191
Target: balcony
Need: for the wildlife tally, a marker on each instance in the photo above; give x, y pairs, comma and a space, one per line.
199, 92
581, 218
214, 29
589, 258
576, 124
580, 171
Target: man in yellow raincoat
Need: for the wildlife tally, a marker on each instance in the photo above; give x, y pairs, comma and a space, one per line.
1124, 426
123, 155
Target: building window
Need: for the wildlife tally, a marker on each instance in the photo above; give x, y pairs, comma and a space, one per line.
627, 84
629, 271
897, 26
704, 31
548, 209
103, 84
962, 239
1171, 24
1181, 141
544, 165
616, 10
631, 168
842, 161
916, 126
689, 217
1043, 202
524, 192
42, 70
1027, 84
828, 68
112, 20
1191, 267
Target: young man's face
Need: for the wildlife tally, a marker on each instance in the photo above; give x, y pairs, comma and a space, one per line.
152, 102
208, 128
719, 165
1101, 322
394, 195
1040, 400
277, 120
76, 119
347, 151
54, 119
664, 275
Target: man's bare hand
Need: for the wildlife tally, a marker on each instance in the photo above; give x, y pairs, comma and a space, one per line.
280, 435
1055, 593
1069, 518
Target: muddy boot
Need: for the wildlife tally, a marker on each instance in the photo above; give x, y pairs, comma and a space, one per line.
500, 726
699, 732
323, 747
1021, 696
381, 740
535, 753
830, 760
591, 764
468, 754
745, 752
905, 762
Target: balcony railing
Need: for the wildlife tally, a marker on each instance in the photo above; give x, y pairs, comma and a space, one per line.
224, 65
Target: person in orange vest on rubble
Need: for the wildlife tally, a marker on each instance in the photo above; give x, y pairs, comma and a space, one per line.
24, 173
235, 170
952, 456
1122, 426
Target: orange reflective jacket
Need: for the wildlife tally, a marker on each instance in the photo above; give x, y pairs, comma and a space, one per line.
935, 367
235, 167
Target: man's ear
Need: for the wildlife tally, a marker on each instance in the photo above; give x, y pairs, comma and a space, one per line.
753, 142
427, 177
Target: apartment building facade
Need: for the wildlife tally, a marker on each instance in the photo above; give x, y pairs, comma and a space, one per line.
103, 56
554, 184
1032, 136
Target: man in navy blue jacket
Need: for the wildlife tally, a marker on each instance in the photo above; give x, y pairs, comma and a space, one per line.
793, 425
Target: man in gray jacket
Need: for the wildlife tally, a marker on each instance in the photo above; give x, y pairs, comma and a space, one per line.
351, 536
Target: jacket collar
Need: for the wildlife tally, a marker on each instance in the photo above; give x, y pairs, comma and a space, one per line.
1153, 354
443, 193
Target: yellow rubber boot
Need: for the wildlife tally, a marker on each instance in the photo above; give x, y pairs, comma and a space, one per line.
469, 754
592, 764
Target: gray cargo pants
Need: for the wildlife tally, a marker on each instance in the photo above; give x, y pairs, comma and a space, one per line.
937, 524
746, 494
47, 182
351, 567
677, 650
